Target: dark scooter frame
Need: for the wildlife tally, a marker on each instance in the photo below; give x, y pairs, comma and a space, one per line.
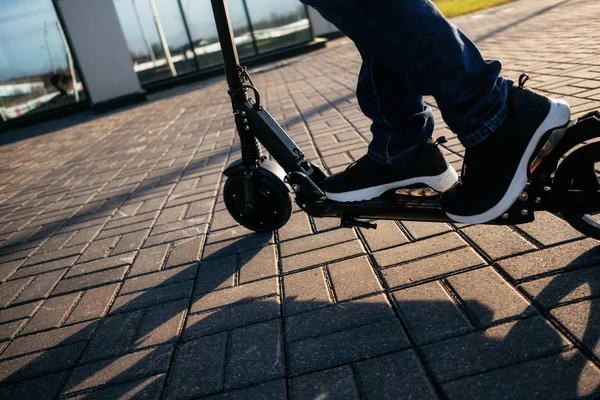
257, 191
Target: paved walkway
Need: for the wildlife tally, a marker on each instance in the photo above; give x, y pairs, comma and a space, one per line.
123, 276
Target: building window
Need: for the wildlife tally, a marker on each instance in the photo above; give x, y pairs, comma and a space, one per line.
167, 38
36, 66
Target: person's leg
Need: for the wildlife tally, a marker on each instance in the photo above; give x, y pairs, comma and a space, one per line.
499, 124
412, 38
402, 126
401, 121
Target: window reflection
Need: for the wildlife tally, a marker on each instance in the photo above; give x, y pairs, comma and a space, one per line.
279, 23
204, 32
276, 24
36, 68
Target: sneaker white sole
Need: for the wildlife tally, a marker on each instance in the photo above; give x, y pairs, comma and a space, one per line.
559, 115
440, 183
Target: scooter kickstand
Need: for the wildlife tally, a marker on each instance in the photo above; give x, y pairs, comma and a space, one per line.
350, 222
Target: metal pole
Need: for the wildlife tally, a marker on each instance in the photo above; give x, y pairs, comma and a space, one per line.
163, 40
189, 35
228, 49
250, 27
48, 47
69, 60
144, 34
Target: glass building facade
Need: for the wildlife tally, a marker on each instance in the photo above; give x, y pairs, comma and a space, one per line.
166, 38
37, 71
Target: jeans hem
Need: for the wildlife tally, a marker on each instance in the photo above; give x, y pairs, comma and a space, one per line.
399, 158
486, 129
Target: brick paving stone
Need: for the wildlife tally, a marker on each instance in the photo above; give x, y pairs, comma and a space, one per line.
298, 225
222, 220
171, 214
54, 255
322, 256
257, 265
216, 274
549, 229
161, 324
172, 236
84, 236
332, 384
387, 234
352, 278
227, 247
150, 297
432, 267
45, 362
269, 390
44, 340
331, 350
157, 279
149, 260
418, 249
45, 387
113, 337
40, 287
129, 242
143, 389
255, 354
236, 295
488, 297
93, 304
316, 242
499, 346
559, 376
185, 252
497, 241
9, 329
197, 376
206, 323
10, 289
569, 255
421, 230
90, 280
99, 249
393, 376
117, 370
22, 311
7, 269
429, 313
191, 223
200, 207
52, 313
44, 267
581, 320
106, 233
305, 291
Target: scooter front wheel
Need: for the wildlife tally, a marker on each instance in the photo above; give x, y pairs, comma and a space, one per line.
272, 205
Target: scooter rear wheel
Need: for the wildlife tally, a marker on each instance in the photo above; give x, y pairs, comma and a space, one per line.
581, 171
272, 207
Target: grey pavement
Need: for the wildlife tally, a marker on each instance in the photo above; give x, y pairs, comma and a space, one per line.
123, 276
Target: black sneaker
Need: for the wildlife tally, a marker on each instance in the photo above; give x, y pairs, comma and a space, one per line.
496, 171
366, 179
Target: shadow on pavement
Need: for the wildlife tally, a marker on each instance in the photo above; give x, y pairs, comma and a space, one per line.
235, 337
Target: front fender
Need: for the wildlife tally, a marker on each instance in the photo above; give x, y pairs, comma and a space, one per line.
267, 168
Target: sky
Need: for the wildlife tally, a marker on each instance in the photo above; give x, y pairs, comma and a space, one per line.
23, 48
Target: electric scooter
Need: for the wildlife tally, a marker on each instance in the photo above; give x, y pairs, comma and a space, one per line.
258, 192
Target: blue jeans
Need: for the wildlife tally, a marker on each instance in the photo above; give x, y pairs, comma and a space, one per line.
410, 50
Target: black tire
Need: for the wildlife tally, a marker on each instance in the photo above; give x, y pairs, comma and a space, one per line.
578, 172
273, 206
